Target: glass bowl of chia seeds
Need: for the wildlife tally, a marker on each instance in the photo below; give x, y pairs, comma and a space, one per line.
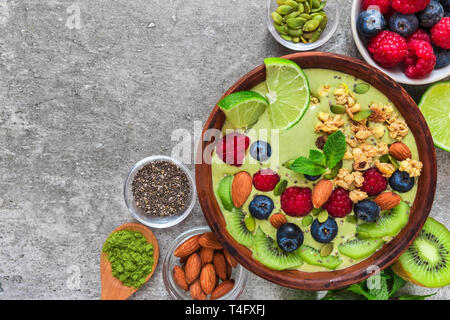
159, 191
239, 274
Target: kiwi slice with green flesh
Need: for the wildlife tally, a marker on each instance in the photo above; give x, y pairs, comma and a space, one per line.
236, 227
359, 248
269, 254
389, 224
224, 192
312, 256
427, 261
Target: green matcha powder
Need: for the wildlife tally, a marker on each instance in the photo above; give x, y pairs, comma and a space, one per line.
131, 257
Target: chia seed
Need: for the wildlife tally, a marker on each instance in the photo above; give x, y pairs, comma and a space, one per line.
161, 188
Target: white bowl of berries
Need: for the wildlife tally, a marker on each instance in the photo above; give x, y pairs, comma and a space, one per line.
407, 39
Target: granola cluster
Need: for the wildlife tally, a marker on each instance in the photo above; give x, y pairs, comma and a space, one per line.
346, 98
328, 124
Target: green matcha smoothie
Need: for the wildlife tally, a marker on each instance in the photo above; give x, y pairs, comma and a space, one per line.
297, 141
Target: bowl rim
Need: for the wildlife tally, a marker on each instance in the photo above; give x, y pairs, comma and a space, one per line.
384, 257
179, 217
435, 76
300, 46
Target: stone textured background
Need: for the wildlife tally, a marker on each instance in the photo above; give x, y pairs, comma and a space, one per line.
80, 106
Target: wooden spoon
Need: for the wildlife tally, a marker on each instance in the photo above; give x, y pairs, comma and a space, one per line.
112, 288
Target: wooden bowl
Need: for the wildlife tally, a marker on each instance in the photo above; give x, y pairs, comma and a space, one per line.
391, 251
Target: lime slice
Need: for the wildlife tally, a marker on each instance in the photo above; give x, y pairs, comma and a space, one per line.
243, 108
288, 92
435, 106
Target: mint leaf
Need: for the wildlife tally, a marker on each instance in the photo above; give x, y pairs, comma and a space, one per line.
335, 148
306, 166
356, 288
317, 157
381, 291
416, 297
397, 283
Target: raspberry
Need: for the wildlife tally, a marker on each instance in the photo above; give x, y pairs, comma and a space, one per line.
440, 33
420, 60
296, 201
265, 180
388, 48
374, 182
383, 5
409, 6
420, 34
232, 147
339, 204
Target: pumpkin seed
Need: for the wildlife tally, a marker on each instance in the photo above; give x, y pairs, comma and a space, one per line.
316, 35
351, 219
318, 18
295, 22
363, 114
292, 4
316, 211
324, 22
250, 223
286, 37
307, 7
323, 216
322, 4
280, 2
303, 39
327, 249
306, 221
277, 17
281, 28
305, 16
384, 159
394, 162
301, 8
280, 187
361, 88
337, 109
284, 9
295, 39
334, 171
311, 25
295, 33
307, 35
288, 163
291, 15
315, 4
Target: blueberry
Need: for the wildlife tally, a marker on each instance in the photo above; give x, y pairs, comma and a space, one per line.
432, 14
367, 210
261, 150
401, 181
312, 178
403, 24
261, 207
324, 232
289, 237
445, 4
370, 23
442, 57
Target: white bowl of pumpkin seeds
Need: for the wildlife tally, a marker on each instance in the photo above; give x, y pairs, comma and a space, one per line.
301, 33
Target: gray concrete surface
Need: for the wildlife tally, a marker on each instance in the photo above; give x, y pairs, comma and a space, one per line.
80, 106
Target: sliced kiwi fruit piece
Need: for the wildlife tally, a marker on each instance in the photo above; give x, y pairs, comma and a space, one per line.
427, 261
389, 224
235, 220
360, 248
269, 254
224, 192
312, 256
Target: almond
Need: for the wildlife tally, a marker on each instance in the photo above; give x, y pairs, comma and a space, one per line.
193, 267
222, 289
179, 278
241, 188
277, 220
387, 200
220, 266
209, 240
230, 259
400, 151
208, 278
321, 193
229, 271
188, 247
196, 291
206, 255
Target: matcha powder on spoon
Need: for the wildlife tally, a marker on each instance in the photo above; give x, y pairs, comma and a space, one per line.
131, 257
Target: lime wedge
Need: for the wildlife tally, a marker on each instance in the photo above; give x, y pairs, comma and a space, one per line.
243, 108
288, 92
435, 106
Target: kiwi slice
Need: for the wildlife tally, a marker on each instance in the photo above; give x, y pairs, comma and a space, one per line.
389, 224
312, 256
269, 254
427, 261
236, 227
358, 248
224, 192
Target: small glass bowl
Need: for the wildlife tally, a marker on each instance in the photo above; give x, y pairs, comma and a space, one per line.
155, 221
332, 9
240, 274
